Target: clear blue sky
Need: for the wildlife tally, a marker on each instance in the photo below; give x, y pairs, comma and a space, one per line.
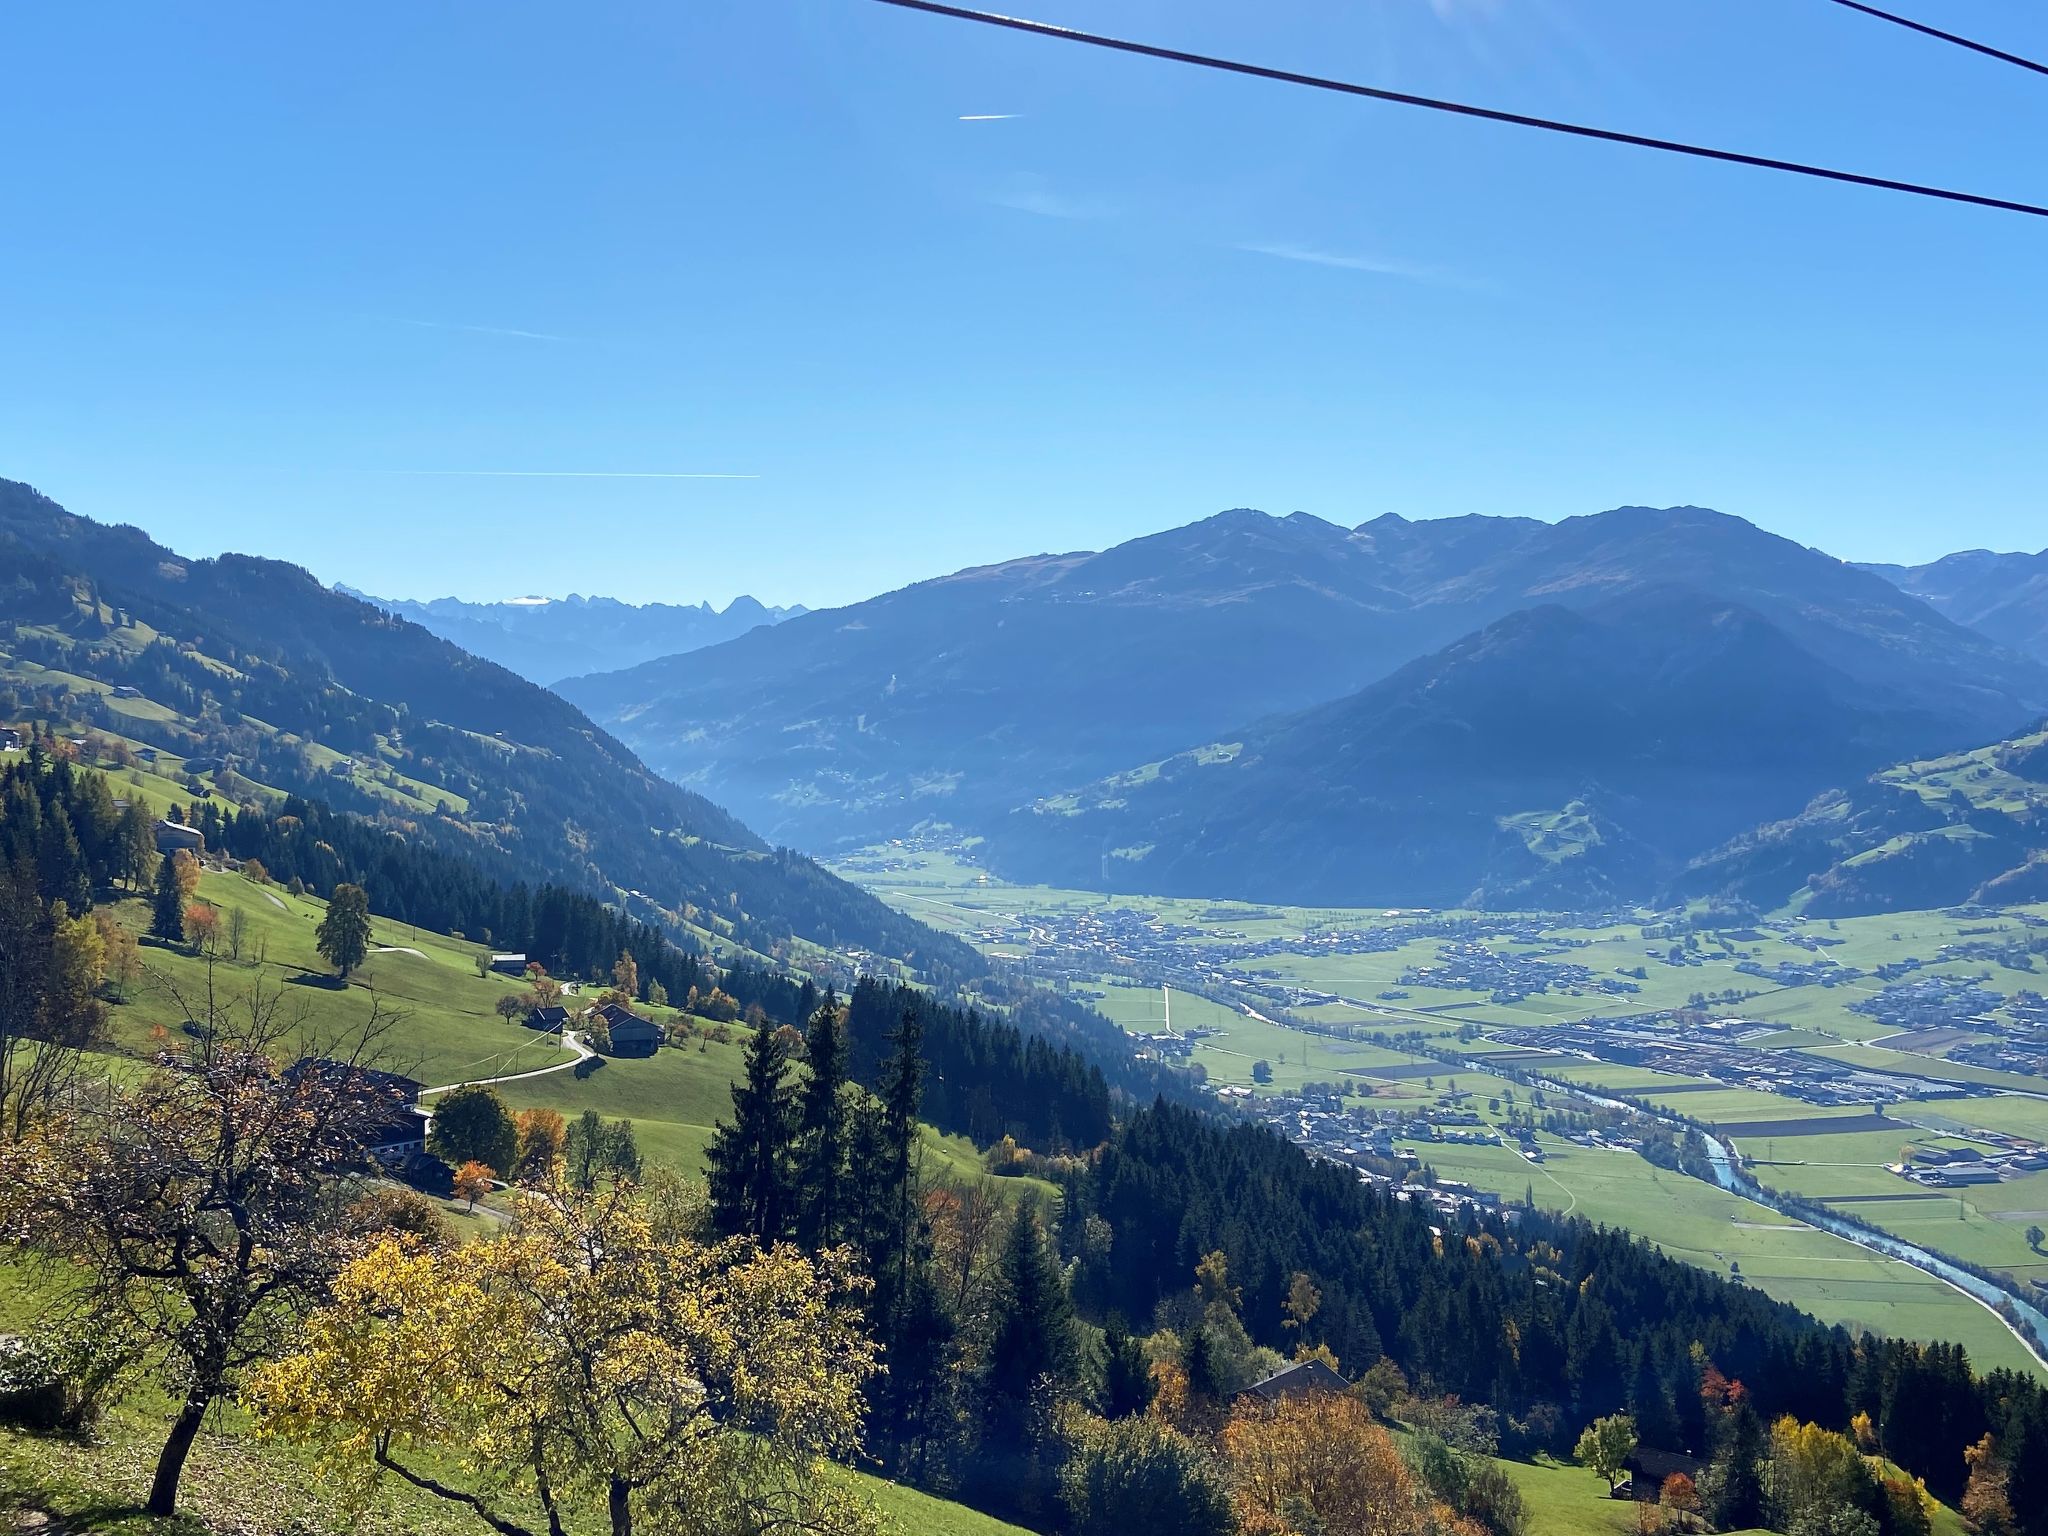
262, 265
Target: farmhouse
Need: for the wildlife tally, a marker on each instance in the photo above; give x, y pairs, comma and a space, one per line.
1296, 1381
398, 1128
173, 835
631, 1034
551, 1018
509, 965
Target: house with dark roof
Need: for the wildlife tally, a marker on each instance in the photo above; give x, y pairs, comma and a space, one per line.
1303, 1377
631, 1035
394, 1128
552, 1018
174, 835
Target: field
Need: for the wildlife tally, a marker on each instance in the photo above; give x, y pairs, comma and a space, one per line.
1287, 985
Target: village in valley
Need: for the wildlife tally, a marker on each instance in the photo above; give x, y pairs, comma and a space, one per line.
1832, 1110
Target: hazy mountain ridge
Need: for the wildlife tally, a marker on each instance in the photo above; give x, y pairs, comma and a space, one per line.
962, 698
1557, 758
1970, 826
253, 662
547, 639
2004, 596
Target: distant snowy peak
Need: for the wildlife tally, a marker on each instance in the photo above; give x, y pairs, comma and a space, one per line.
546, 638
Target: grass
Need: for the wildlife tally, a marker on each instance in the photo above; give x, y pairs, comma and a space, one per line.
1834, 1280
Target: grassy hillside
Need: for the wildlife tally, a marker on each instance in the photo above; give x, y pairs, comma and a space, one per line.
239, 1486
248, 680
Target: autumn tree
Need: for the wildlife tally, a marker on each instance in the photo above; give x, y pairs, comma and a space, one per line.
1987, 1502
199, 1202
202, 928
1679, 1496
343, 936
1813, 1473
1303, 1301
542, 1135
626, 976
472, 1125
472, 1182
546, 990
604, 1363
123, 954
1606, 1446
1317, 1461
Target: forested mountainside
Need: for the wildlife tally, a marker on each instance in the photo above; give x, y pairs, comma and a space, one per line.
261, 681
2004, 596
1557, 758
546, 639
963, 698
1967, 826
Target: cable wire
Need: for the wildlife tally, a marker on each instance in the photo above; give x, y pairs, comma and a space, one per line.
1947, 37
1462, 109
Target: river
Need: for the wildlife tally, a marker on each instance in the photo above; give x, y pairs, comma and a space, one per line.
1729, 1175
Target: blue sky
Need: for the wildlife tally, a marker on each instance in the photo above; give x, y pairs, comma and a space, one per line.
285, 278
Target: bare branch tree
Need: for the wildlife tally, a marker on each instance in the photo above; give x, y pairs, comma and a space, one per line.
205, 1202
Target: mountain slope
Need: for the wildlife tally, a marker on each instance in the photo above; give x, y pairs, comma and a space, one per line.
1934, 832
251, 673
546, 639
960, 698
2004, 596
1555, 757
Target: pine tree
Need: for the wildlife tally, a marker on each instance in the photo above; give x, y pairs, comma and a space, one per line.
167, 912
344, 933
1126, 1383
1033, 1343
821, 1131
749, 1159
902, 1093
1032, 1356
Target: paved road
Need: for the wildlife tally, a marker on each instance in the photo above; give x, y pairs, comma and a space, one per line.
569, 1038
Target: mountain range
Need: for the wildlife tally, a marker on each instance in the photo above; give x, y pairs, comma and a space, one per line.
2004, 596
1478, 707
545, 639
257, 681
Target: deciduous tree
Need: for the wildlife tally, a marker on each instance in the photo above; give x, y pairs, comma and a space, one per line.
676, 1386
472, 1182
201, 1202
472, 1125
1137, 1477
1606, 1446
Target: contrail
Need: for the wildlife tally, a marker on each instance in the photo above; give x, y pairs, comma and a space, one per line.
575, 474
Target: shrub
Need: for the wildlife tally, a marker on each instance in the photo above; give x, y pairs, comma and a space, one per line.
38, 1394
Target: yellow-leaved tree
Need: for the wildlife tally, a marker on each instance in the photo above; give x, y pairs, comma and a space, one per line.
592, 1358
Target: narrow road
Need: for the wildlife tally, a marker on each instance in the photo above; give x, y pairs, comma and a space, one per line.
569, 1038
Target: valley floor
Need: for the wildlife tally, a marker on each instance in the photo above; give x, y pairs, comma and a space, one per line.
1280, 1006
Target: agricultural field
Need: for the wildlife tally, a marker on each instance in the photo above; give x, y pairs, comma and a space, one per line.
1829, 1062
